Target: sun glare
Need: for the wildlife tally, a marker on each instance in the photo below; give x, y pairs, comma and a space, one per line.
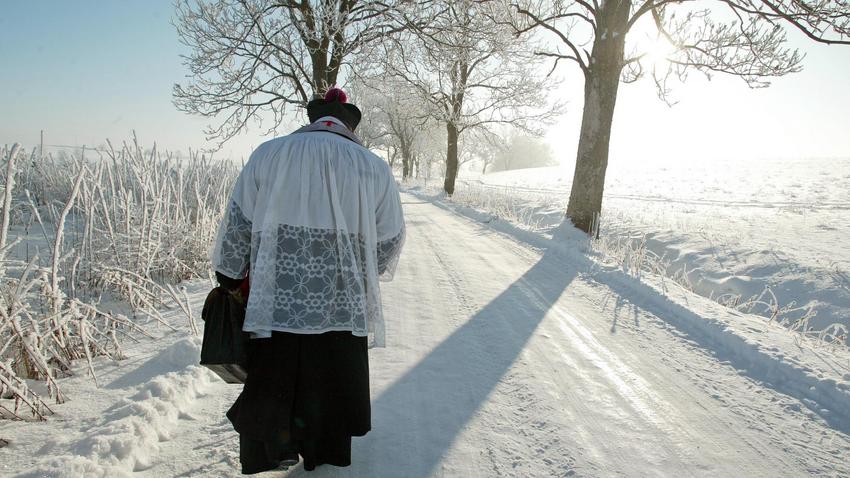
657, 51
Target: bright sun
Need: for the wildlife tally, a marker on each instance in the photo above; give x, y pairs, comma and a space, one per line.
657, 51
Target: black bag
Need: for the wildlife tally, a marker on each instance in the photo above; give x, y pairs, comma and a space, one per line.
225, 346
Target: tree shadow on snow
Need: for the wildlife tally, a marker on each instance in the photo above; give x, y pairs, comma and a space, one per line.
418, 418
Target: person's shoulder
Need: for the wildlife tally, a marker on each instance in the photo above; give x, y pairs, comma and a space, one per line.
265, 147
379, 167
373, 158
365, 159
276, 143
363, 154
315, 139
273, 149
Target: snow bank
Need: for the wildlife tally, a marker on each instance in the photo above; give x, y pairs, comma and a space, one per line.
127, 437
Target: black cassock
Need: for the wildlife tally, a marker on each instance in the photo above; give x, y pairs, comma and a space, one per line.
305, 394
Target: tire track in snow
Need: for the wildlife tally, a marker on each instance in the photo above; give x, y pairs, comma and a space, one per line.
463, 302
767, 418
671, 418
465, 306
587, 345
576, 347
756, 416
530, 410
524, 403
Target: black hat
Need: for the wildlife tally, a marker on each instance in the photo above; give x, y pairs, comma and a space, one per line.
334, 104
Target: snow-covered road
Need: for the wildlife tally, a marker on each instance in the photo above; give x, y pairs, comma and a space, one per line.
504, 359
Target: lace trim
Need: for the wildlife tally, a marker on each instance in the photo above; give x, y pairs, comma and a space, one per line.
235, 245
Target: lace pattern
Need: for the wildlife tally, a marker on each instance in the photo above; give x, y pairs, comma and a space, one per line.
234, 247
388, 254
313, 280
306, 280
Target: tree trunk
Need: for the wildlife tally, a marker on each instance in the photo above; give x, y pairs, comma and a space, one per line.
392, 153
451, 158
602, 79
406, 161
324, 75
405, 166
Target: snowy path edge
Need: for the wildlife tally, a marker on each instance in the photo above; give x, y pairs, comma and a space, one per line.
128, 436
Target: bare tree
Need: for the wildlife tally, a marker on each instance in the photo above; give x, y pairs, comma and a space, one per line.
488, 152
254, 57
518, 151
402, 116
473, 71
744, 38
430, 152
394, 117
481, 145
371, 130
406, 131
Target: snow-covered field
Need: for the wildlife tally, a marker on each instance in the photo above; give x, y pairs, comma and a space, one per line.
508, 355
734, 228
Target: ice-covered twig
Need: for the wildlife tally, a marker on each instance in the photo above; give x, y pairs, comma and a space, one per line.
7, 194
9, 382
186, 308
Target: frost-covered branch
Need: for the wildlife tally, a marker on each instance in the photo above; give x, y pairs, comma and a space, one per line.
253, 57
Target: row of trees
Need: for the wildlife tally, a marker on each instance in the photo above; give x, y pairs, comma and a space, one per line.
465, 66
422, 71
414, 140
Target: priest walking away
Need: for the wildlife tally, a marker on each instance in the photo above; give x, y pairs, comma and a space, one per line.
315, 220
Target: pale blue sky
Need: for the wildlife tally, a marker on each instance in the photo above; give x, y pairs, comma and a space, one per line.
88, 70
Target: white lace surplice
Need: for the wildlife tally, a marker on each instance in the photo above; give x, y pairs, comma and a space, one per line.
318, 219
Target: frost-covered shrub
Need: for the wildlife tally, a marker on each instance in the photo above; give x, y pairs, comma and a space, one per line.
116, 223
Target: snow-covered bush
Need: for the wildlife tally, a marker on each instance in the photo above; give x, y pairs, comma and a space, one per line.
115, 224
